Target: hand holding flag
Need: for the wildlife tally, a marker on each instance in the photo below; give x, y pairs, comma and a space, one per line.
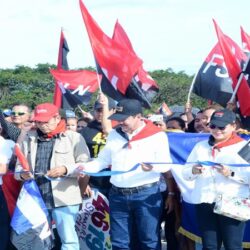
26, 174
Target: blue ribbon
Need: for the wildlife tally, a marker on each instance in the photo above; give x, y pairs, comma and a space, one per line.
205, 163
110, 173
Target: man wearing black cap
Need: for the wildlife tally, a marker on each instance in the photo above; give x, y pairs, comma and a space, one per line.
135, 198
95, 134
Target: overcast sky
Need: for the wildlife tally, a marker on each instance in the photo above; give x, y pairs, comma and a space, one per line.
175, 34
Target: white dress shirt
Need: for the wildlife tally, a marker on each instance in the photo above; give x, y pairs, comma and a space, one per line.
151, 149
208, 184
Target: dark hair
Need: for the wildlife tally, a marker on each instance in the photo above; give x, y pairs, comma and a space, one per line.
180, 121
21, 104
3, 133
85, 119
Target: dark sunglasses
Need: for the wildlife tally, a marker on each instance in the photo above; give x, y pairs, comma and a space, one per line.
17, 113
214, 127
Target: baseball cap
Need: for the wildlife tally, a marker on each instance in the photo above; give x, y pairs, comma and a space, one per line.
126, 108
45, 111
7, 112
112, 104
223, 117
70, 113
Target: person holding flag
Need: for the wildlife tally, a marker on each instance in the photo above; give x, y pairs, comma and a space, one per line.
95, 135
53, 153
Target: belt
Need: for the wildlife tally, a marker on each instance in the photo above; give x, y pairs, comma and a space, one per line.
133, 190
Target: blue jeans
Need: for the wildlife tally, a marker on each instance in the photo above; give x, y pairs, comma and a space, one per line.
65, 218
141, 210
216, 229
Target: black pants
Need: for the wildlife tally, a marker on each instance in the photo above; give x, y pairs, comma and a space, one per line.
4, 222
169, 228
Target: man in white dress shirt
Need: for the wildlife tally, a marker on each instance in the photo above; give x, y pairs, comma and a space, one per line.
135, 197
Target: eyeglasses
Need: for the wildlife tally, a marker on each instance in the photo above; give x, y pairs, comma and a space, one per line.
216, 127
17, 113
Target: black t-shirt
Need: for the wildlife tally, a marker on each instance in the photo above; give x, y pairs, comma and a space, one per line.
95, 140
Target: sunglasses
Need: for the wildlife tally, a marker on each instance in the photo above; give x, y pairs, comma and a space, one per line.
216, 127
17, 113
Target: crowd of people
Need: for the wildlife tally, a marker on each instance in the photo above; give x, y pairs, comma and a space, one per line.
117, 137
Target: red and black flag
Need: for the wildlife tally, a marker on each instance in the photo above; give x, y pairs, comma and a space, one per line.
77, 86
234, 57
148, 86
164, 110
62, 63
245, 38
116, 63
212, 81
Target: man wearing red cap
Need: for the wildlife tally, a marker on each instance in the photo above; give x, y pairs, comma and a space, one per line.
53, 151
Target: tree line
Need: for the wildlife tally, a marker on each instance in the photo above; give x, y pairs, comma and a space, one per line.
36, 85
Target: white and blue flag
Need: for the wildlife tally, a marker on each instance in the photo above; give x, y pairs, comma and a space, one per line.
30, 219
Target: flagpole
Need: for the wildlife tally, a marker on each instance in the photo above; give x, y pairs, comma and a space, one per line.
191, 88
239, 80
97, 74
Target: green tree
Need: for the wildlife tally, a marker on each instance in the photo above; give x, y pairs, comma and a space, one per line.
36, 85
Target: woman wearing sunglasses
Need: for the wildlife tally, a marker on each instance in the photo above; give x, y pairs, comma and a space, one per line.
221, 147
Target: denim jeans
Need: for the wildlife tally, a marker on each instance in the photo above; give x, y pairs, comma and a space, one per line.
65, 218
141, 210
216, 229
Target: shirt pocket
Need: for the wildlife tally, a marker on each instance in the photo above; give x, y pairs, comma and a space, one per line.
63, 154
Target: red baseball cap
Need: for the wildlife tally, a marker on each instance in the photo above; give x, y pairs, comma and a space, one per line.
45, 111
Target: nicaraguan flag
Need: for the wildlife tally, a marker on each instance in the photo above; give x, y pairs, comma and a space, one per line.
29, 221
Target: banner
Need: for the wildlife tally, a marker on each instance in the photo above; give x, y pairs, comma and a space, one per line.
93, 224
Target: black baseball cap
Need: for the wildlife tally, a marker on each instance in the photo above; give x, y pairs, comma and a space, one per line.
223, 117
126, 108
112, 104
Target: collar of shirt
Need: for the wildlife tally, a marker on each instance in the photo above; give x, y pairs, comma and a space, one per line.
135, 132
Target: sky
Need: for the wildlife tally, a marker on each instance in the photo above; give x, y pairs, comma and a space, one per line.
175, 34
